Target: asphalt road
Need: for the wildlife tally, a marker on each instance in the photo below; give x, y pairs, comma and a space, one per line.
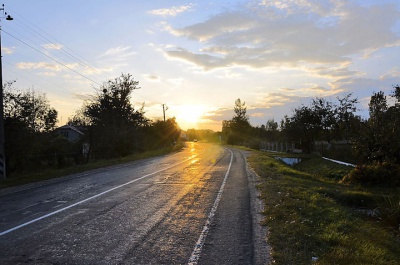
195, 206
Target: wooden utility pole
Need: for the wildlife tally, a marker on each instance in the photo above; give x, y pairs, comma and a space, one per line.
2, 137
165, 108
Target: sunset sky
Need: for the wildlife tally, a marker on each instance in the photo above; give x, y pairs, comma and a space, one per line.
198, 57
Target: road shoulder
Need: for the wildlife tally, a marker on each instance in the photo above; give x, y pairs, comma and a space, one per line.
261, 248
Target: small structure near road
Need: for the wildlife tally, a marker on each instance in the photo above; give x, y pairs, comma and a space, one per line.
71, 133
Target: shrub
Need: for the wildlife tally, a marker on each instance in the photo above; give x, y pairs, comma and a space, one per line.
388, 210
374, 174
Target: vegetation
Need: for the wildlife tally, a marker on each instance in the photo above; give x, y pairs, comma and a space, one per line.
203, 135
50, 173
313, 210
312, 217
112, 127
237, 130
28, 122
332, 129
115, 125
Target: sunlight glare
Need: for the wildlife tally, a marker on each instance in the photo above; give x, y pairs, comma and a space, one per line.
190, 115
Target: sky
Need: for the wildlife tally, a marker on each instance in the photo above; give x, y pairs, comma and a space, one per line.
198, 57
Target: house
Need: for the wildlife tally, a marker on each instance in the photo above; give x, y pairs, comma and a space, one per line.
71, 133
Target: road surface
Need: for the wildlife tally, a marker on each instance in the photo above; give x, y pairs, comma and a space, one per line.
196, 206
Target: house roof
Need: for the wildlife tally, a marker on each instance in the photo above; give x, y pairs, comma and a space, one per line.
70, 127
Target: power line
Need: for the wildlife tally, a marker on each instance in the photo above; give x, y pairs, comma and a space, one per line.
58, 60
35, 77
51, 58
70, 53
64, 50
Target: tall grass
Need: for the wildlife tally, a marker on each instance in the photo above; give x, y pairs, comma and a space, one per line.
314, 219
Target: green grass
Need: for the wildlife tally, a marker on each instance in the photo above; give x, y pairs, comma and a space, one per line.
317, 166
25, 178
309, 214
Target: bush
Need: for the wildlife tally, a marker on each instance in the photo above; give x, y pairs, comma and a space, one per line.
388, 211
374, 174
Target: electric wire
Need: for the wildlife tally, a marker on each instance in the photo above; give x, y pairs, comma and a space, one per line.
63, 50
58, 60
34, 77
51, 58
66, 50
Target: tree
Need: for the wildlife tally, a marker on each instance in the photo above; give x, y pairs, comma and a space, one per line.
396, 94
375, 132
226, 131
271, 125
378, 144
115, 124
377, 106
347, 123
271, 130
303, 127
162, 134
324, 112
28, 121
240, 110
237, 130
30, 108
79, 119
322, 120
202, 134
379, 139
111, 105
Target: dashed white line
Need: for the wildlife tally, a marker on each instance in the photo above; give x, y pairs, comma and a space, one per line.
194, 258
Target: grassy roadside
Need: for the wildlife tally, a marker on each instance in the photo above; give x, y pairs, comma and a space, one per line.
25, 178
312, 219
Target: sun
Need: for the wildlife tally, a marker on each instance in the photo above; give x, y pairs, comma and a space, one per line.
190, 115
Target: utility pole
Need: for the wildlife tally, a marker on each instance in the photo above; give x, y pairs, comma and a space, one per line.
2, 138
164, 108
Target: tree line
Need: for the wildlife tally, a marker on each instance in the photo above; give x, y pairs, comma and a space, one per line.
112, 127
372, 143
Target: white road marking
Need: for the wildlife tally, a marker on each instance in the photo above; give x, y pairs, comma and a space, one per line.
194, 258
95, 196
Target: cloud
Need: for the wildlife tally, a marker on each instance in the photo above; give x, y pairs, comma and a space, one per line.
333, 72
176, 81
173, 11
217, 26
119, 53
6, 50
270, 100
257, 114
45, 65
289, 96
81, 96
152, 78
394, 73
290, 34
364, 85
204, 60
47, 74
218, 115
52, 46
300, 6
